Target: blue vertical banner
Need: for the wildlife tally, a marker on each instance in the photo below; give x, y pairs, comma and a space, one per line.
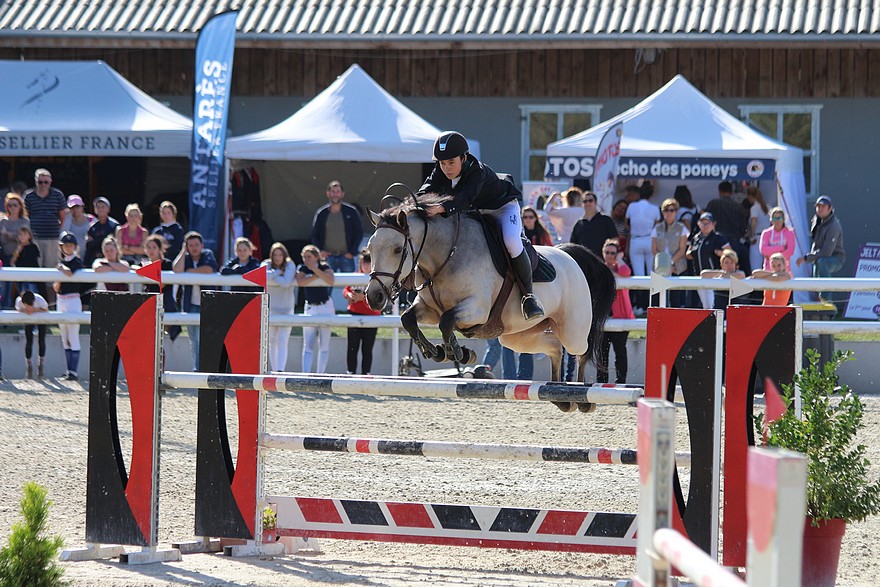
207, 185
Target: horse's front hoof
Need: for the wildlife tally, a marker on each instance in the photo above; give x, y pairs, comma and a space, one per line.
567, 407
468, 357
586, 407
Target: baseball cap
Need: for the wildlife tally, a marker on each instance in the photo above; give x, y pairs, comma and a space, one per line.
74, 200
67, 237
102, 200
823, 199
707, 216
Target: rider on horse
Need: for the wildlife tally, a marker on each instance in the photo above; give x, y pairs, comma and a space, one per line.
474, 185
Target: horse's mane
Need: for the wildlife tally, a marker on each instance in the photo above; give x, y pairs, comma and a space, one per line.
390, 215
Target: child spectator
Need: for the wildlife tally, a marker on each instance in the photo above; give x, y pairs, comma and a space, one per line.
170, 229
778, 272
30, 303
69, 301
242, 263
156, 249
360, 338
729, 269
27, 255
111, 262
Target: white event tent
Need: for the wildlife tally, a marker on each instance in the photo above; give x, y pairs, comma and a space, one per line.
353, 131
678, 121
84, 108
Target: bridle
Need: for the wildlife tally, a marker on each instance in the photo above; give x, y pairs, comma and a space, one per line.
408, 281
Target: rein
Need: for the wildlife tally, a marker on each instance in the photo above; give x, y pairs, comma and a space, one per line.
409, 280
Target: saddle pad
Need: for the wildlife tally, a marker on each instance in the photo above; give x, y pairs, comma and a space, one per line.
542, 269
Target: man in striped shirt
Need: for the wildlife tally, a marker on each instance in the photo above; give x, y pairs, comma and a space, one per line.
46, 207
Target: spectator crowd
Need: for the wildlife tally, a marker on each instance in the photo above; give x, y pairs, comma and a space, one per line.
40, 227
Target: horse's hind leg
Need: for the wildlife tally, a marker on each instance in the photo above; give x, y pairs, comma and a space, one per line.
556, 373
585, 407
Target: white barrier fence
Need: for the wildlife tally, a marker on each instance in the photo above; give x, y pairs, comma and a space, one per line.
15, 274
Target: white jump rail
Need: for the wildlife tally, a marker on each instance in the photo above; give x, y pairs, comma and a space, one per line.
776, 505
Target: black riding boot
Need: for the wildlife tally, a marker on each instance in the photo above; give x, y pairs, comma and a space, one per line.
523, 268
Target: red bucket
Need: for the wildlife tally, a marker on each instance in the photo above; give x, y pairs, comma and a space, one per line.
821, 552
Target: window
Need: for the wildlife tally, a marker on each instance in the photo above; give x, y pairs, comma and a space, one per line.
797, 125
545, 124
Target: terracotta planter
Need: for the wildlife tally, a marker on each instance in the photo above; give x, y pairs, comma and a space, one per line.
821, 552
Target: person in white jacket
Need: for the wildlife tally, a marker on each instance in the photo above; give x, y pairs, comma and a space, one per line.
280, 271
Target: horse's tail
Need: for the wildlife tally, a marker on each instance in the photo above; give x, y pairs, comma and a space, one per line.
602, 291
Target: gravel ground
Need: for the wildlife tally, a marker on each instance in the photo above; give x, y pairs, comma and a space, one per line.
43, 436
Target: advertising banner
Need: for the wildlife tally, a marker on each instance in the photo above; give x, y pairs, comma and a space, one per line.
607, 159
213, 76
866, 304
678, 168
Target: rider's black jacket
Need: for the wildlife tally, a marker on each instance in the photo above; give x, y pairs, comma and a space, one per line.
479, 187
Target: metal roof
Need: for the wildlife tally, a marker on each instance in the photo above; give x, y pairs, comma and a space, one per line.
551, 23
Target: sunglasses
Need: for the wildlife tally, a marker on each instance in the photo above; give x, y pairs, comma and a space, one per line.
11, 205
589, 201
530, 217
610, 253
777, 218
44, 182
669, 209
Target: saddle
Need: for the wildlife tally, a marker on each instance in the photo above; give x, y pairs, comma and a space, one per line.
542, 271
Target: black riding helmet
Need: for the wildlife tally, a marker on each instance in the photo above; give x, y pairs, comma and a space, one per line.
449, 145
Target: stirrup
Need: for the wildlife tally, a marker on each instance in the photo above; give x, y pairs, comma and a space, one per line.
531, 309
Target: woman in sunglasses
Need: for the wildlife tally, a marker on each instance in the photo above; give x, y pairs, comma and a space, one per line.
777, 239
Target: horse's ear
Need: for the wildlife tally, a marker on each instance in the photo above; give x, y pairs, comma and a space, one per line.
374, 218
401, 219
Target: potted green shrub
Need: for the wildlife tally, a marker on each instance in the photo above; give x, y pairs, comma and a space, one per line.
839, 489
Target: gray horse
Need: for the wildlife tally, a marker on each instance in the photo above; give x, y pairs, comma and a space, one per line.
447, 260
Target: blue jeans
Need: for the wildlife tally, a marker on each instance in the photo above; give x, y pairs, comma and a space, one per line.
493, 352
340, 263
825, 267
526, 369
194, 332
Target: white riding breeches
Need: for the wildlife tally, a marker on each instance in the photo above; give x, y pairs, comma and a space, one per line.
69, 332
509, 219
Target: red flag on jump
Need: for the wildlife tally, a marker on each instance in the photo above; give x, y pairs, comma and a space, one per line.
257, 276
152, 271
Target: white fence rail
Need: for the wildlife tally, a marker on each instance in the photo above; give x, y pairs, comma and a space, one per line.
20, 274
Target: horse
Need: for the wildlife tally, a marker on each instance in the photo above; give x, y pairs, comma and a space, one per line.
447, 261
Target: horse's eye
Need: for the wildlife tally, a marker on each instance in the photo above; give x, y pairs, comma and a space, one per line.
398, 250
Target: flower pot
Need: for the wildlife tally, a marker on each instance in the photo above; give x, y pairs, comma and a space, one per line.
821, 552
271, 535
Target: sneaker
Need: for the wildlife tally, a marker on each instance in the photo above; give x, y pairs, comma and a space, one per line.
71, 376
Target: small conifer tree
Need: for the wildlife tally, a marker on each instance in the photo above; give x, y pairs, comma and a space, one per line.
29, 558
